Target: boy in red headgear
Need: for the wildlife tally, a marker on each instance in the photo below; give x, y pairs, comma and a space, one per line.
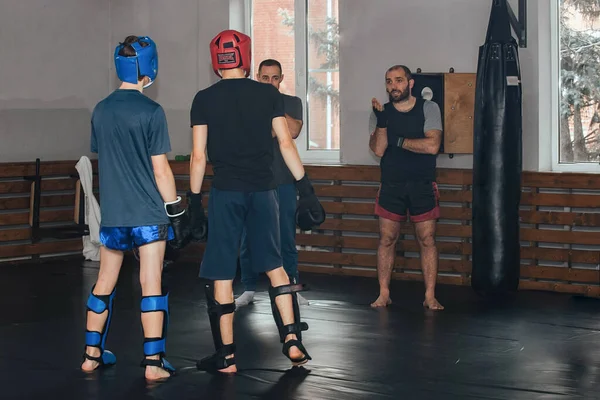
233, 120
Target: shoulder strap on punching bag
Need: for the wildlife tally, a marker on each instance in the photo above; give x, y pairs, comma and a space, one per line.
499, 29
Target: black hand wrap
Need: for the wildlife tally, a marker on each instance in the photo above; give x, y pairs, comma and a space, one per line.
309, 213
381, 118
180, 221
198, 219
400, 142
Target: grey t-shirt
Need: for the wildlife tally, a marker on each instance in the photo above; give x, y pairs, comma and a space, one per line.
129, 128
433, 117
281, 173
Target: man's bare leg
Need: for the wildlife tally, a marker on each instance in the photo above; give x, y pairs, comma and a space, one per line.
224, 295
110, 266
279, 277
389, 231
151, 264
425, 232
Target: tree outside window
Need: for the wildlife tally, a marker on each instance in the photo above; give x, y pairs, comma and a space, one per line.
580, 81
273, 32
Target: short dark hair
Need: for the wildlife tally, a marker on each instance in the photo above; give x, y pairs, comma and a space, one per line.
128, 51
270, 63
403, 68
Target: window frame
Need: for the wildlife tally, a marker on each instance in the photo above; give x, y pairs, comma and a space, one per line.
307, 155
555, 88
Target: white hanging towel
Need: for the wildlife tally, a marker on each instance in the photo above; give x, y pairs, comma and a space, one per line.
91, 243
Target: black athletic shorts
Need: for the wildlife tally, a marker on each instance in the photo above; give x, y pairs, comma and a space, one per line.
229, 212
418, 200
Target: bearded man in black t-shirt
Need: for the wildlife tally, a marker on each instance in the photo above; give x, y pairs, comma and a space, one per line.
407, 137
270, 73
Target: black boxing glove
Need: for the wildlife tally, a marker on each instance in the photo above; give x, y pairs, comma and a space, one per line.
309, 212
199, 222
180, 221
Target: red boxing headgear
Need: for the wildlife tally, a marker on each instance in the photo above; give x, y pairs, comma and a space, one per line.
231, 49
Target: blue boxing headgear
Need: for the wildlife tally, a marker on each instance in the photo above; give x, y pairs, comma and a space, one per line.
144, 63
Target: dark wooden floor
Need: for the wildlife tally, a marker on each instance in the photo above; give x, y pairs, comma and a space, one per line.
540, 346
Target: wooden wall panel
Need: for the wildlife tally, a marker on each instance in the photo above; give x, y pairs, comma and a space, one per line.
57, 208
459, 111
560, 229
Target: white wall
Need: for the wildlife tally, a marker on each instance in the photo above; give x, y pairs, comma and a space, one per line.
544, 78
433, 35
54, 69
182, 30
48, 88
57, 63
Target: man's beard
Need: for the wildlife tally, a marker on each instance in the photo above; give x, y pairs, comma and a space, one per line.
395, 98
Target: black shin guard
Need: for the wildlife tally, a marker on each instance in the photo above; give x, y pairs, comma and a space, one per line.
215, 311
296, 327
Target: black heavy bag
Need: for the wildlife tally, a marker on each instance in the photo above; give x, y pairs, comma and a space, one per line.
497, 160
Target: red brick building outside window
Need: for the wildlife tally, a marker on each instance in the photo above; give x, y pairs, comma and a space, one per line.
272, 31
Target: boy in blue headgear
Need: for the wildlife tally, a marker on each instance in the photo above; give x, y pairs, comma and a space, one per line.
139, 205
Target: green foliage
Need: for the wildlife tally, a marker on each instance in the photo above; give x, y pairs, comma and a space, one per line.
580, 59
327, 44
589, 8
580, 72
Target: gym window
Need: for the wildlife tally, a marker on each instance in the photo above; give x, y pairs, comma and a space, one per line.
303, 36
576, 85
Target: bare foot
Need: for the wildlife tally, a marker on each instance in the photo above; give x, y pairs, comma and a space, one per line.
432, 304
232, 369
211, 363
156, 373
382, 301
295, 353
90, 365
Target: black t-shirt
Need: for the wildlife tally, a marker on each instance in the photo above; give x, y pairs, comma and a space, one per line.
401, 165
239, 114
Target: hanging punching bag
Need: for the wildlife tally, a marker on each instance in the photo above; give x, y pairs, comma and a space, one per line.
497, 160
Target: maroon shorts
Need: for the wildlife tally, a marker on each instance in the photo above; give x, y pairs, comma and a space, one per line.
398, 201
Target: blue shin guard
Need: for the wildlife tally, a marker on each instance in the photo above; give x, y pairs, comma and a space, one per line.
98, 304
157, 346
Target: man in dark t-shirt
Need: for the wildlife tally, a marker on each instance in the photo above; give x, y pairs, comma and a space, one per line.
407, 137
234, 120
138, 203
270, 72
